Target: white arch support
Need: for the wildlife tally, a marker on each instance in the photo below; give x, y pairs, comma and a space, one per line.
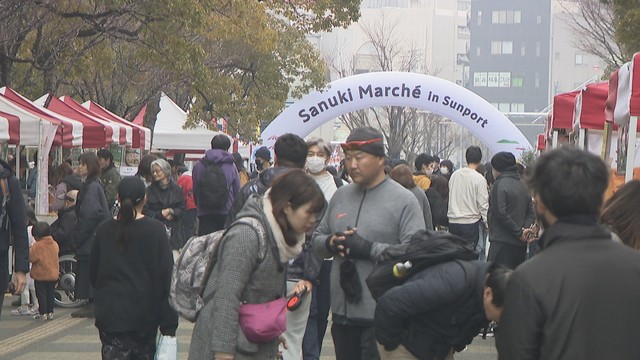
399, 89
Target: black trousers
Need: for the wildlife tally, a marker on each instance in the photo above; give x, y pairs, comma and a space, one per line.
210, 223
44, 293
189, 223
4, 275
507, 255
469, 232
354, 342
83, 289
318, 314
128, 345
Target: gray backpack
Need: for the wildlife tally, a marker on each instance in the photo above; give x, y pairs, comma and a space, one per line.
193, 267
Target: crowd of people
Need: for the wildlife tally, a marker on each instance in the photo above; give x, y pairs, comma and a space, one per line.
557, 254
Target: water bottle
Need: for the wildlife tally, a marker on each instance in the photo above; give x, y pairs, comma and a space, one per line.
401, 269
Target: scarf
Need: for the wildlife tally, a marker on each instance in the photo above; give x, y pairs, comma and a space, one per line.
285, 251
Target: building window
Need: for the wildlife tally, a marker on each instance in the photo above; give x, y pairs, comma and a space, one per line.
579, 59
539, 19
501, 47
478, 51
517, 80
504, 107
507, 47
480, 79
517, 107
496, 47
463, 32
522, 51
493, 79
538, 48
506, 17
537, 80
464, 5
479, 17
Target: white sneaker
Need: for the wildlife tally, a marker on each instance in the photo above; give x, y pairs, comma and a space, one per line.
22, 310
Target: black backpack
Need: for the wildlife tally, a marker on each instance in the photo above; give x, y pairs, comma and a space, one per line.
213, 185
425, 248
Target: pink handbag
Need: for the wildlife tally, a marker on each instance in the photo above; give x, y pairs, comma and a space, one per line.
263, 322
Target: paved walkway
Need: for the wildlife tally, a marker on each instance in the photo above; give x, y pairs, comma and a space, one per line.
22, 338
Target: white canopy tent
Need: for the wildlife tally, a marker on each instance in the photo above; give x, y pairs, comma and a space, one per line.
169, 132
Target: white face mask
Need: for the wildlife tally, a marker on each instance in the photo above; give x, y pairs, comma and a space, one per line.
444, 170
315, 164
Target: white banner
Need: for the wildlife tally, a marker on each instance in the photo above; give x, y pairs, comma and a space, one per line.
399, 89
621, 113
47, 134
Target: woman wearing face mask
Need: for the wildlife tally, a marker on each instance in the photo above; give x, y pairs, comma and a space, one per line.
446, 169
262, 162
317, 160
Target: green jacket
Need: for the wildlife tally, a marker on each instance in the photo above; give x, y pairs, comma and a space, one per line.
110, 178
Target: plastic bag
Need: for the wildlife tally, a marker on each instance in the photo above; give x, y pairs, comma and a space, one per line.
167, 348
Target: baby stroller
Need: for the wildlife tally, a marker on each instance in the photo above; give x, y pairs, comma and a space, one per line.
64, 289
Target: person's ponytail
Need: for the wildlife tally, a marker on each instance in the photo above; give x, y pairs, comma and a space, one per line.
126, 215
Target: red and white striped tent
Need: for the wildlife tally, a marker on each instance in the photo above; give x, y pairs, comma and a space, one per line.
141, 134
9, 128
623, 108
69, 132
561, 117
97, 133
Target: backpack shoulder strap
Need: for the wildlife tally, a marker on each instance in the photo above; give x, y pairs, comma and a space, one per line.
259, 230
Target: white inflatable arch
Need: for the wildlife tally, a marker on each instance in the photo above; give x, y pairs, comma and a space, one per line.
399, 89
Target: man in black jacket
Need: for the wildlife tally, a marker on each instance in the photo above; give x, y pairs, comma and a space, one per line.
439, 310
62, 229
510, 213
578, 297
13, 229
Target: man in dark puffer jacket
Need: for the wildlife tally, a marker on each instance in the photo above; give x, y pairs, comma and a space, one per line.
439, 310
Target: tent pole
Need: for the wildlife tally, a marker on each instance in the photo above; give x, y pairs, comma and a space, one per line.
581, 139
631, 148
605, 152
554, 139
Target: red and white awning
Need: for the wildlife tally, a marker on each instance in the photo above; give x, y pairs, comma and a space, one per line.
69, 132
141, 134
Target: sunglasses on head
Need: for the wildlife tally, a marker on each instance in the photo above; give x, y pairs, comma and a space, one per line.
357, 145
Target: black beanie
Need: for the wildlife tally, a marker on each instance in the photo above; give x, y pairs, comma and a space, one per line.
368, 133
503, 160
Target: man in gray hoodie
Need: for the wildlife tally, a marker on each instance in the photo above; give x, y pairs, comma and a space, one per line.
363, 219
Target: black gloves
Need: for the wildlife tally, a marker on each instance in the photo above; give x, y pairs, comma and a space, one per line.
355, 245
358, 247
